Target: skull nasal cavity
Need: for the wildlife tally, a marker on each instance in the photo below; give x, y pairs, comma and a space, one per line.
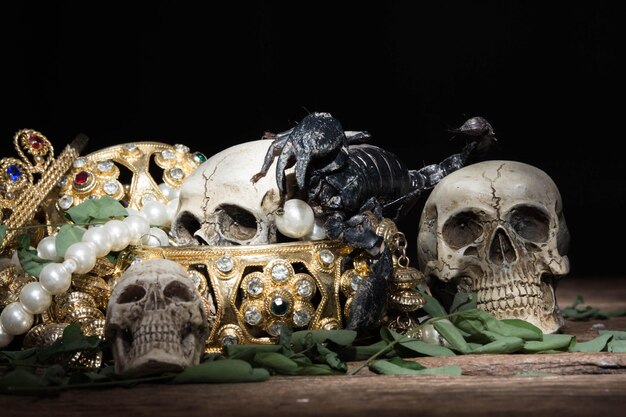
154, 299
501, 250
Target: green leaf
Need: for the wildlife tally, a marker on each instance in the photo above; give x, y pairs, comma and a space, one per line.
19, 380
3, 232
357, 353
406, 364
550, 343
331, 358
30, 262
221, 371
304, 339
617, 334
68, 234
386, 367
617, 346
476, 322
597, 344
463, 301
96, 210
276, 362
503, 344
248, 352
452, 335
316, 369
432, 306
19, 357
578, 300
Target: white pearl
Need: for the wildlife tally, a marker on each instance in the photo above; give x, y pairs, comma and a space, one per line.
15, 319
46, 249
84, 253
120, 234
55, 278
100, 238
5, 337
34, 298
132, 211
318, 232
70, 265
156, 213
296, 220
172, 208
169, 192
156, 237
138, 227
432, 336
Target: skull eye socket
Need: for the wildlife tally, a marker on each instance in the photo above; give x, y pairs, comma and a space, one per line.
131, 294
186, 226
462, 229
236, 223
531, 223
177, 291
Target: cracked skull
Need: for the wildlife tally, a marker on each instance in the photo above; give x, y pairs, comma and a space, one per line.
220, 206
497, 228
155, 319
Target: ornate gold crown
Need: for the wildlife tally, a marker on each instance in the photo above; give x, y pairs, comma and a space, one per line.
25, 182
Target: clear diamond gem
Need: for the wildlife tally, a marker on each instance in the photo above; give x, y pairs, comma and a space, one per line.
225, 264
327, 257
129, 147
229, 340
111, 187
167, 154
104, 166
177, 173
181, 148
275, 328
66, 202
355, 281
255, 286
80, 162
137, 260
304, 288
252, 316
302, 317
280, 272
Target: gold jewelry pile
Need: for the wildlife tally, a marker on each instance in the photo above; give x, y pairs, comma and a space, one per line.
248, 291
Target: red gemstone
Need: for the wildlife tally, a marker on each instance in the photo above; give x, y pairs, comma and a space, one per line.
81, 178
35, 141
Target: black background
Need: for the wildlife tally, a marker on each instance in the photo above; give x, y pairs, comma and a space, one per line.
545, 75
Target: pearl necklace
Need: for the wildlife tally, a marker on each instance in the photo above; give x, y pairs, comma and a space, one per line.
141, 227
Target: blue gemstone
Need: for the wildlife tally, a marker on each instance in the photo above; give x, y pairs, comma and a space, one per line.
14, 173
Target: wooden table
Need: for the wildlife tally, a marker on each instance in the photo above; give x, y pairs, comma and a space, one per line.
584, 384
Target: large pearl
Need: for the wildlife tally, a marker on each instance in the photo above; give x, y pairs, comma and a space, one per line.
318, 232
156, 213
100, 238
46, 249
296, 220
5, 337
84, 253
15, 319
432, 336
156, 237
138, 226
34, 298
169, 192
55, 278
120, 234
172, 208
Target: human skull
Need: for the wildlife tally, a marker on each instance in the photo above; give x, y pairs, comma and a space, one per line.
220, 206
497, 228
155, 319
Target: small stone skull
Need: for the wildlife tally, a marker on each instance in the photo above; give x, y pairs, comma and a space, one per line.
497, 228
155, 319
220, 206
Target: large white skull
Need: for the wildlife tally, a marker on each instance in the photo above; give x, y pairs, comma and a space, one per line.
155, 319
497, 228
220, 206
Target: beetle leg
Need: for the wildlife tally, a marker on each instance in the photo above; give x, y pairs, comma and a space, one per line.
274, 150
